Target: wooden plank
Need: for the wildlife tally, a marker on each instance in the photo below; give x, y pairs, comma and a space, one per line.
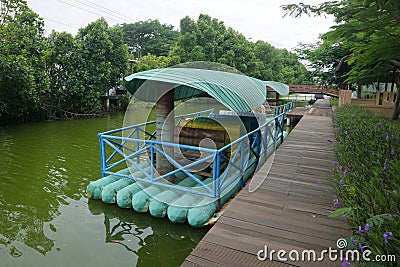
196, 261
260, 215
220, 253
290, 210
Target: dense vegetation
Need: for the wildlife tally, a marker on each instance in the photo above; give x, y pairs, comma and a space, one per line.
364, 42
368, 180
60, 75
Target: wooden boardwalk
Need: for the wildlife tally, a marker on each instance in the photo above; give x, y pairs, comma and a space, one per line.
289, 211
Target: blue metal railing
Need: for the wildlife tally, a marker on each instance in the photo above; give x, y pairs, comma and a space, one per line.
244, 153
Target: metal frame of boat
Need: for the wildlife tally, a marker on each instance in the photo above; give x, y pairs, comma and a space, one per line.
125, 147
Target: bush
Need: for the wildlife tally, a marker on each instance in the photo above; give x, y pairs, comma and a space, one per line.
368, 178
334, 101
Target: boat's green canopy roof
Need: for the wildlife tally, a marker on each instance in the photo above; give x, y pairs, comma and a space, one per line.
280, 88
238, 92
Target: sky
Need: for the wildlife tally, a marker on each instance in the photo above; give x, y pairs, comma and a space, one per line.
256, 19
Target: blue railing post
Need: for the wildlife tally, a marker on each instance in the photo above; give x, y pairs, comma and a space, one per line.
137, 145
241, 164
276, 122
282, 125
216, 174
102, 155
276, 110
258, 138
152, 165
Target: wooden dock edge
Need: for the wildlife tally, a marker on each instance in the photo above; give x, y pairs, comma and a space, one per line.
289, 211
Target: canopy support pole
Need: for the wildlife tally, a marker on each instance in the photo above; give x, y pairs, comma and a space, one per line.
165, 125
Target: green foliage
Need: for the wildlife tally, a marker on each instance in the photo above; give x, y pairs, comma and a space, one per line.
52, 77
208, 39
334, 101
368, 167
150, 37
150, 61
83, 68
62, 75
323, 59
59, 57
22, 78
367, 33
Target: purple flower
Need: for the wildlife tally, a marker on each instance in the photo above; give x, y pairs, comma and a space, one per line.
333, 162
366, 228
387, 236
345, 262
385, 166
359, 230
336, 203
344, 173
387, 137
392, 151
379, 123
341, 182
353, 241
395, 192
340, 167
361, 247
319, 182
347, 133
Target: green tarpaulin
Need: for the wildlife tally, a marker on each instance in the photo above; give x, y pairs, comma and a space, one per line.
238, 92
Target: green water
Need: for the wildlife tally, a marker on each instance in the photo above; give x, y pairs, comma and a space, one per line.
45, 218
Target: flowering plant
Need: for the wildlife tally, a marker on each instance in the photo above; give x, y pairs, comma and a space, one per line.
367, 172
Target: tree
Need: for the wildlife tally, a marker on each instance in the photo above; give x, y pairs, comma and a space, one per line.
208, 39
150, 37
101, 61
370, 29
323, 59
83, 68
60, 55
22, 78
118, 56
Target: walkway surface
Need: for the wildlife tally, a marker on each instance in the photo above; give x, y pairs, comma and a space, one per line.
309, 89
289, 210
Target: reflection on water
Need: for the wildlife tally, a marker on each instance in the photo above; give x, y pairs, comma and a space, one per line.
156, 242
45, 219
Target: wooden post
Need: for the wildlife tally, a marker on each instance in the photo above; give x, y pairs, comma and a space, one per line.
344, 97
385, 97
165, 125
391, 97
377, 97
